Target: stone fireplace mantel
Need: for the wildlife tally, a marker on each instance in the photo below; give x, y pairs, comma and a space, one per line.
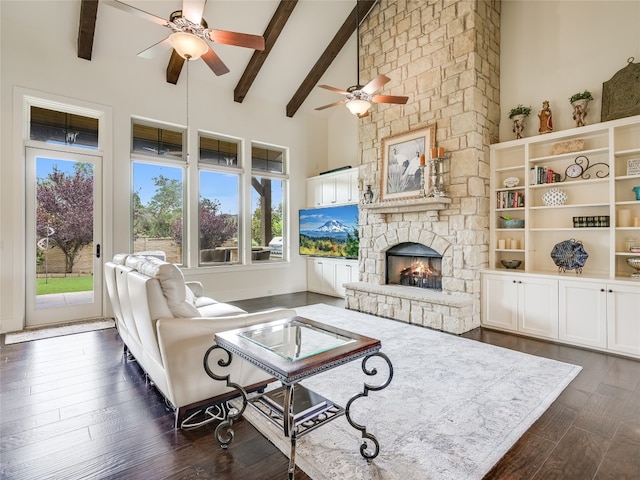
421, 204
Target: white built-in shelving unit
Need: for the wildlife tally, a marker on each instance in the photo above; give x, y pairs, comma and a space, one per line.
600, 308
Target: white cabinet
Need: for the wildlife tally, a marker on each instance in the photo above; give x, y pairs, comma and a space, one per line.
583, 313
623, 319
600, 314
604, 315
328, 275
521, 303
337, 188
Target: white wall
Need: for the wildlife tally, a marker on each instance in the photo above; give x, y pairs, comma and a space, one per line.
42, 58
550, 50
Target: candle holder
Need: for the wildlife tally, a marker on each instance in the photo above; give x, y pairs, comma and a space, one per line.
436, 175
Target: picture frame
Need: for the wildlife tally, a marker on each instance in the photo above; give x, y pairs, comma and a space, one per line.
400, 171
633, 166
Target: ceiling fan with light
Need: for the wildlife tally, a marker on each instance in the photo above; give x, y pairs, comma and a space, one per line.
358, 98
190, 33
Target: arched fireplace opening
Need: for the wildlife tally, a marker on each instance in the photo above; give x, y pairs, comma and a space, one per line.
415, 265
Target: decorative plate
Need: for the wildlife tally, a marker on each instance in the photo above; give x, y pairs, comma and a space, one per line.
554, 197
569, 255
511, 182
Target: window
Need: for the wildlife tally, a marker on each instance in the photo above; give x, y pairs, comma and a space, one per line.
239, 216
159, 171
219, 203
267, 204
63, 128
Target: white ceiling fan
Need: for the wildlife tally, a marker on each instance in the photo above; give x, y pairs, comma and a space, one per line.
190, 34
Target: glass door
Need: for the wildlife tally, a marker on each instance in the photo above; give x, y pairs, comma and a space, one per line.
63, 232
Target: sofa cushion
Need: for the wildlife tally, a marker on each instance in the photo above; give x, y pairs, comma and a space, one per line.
219, 310
171, 282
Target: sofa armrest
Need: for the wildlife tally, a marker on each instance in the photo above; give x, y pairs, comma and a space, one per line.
196, 288
183, 343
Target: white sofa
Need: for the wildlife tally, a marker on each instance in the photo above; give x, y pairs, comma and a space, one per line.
167, 325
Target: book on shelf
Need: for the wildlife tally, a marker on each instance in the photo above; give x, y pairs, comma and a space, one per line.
306, 403
510, 199
543, 174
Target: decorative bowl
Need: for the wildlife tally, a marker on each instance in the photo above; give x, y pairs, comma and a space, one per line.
634, 262
513, 223
511, 182
514, 263
634, 249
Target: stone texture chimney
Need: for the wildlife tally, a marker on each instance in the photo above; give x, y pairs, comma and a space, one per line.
444, 55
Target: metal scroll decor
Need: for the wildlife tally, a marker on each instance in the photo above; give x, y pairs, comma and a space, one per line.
582, 168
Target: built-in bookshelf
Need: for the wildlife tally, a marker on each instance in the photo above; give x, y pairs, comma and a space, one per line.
574, 184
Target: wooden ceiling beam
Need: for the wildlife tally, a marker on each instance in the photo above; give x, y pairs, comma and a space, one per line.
87, 28
271, 34
330, 53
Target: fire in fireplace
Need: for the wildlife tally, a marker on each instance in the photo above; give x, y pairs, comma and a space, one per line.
414, 265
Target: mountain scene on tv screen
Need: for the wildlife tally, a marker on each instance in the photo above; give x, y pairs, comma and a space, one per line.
330, 231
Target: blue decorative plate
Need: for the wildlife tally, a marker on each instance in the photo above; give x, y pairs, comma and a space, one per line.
569, 255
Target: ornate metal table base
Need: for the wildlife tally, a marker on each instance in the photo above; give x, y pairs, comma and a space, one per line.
224, 431
367, 388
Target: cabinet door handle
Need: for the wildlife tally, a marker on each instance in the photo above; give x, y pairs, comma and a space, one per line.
610, 291
602, 289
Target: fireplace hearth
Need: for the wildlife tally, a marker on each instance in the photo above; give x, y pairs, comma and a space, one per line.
414, 265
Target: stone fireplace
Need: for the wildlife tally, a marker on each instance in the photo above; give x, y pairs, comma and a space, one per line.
413, 265
445, 55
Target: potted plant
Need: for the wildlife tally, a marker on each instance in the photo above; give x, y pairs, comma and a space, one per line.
580, 101
586, 95
519, 110
518, 114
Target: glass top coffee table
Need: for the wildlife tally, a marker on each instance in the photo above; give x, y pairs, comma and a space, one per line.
291, 350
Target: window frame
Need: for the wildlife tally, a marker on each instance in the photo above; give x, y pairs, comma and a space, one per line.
161, 160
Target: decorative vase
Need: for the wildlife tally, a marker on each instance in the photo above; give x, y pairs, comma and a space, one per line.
554, 197
367, 196
518, 124
580, 109
636, 190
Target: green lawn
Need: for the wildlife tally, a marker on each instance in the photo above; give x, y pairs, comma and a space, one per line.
64, 285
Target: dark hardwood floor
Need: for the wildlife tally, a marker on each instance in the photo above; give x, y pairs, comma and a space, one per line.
72, 408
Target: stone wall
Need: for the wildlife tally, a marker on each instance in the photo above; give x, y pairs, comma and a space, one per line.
445, 56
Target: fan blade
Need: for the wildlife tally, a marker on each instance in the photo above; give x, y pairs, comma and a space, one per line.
389, 99
236, 39
192, 10
154, 50
365, 114
334, 89
375, 84
331, 104
136, 11
212, 59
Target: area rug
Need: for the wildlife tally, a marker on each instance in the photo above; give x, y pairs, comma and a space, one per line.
454, 407
57, 331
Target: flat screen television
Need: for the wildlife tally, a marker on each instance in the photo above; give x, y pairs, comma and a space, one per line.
329, 231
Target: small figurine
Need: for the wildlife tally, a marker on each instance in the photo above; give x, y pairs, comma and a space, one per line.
546, 122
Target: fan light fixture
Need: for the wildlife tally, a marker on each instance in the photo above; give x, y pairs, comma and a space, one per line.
358, 107
187, 45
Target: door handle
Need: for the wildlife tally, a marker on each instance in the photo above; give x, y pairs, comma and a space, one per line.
98, 250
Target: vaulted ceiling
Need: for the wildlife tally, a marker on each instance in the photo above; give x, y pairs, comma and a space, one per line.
306, 41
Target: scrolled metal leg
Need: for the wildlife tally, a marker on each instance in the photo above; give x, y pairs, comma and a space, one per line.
367, 388
224, 430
